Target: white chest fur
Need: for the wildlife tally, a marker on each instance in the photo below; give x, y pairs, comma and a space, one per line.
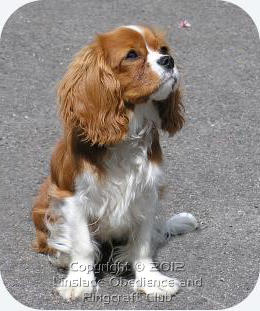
129, 191
118, 201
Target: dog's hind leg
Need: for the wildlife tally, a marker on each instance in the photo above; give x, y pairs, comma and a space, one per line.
40, 208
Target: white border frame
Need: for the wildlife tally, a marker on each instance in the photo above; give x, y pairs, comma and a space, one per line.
8, 302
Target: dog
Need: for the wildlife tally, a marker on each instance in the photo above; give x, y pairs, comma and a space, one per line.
105, 172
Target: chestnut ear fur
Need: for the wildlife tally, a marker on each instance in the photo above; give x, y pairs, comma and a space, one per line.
171, 112
90, 99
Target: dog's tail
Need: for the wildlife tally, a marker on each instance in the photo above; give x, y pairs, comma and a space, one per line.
176, 225
180, 224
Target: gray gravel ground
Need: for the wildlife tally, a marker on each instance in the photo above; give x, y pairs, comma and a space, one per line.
212, 165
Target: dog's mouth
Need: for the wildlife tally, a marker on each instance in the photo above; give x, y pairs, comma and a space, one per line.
169, 83
170, 76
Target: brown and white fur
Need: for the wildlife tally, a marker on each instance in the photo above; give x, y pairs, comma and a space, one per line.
105, 177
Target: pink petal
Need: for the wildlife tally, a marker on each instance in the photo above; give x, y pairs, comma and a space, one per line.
184, 24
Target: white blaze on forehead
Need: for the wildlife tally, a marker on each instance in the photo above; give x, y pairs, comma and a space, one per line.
136, 28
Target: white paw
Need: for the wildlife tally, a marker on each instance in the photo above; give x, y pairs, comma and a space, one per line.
179, 224
76, 285
156, 284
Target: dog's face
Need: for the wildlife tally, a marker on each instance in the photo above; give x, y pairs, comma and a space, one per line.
131, 64
141, 61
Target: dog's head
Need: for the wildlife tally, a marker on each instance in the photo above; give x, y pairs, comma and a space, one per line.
128, 66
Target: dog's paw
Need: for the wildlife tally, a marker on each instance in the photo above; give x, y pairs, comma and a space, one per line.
156, 284
77, 285
180, 224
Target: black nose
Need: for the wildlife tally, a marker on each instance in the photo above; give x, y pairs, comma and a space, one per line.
166, 61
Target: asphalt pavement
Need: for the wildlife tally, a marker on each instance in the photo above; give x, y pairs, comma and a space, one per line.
212, 166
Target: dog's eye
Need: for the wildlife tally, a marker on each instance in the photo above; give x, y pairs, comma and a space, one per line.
131, 54
164, 50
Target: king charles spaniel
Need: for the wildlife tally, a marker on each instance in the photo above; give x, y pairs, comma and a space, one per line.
105, 173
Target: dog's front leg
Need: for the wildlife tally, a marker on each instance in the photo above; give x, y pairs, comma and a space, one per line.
80, 278
147, 278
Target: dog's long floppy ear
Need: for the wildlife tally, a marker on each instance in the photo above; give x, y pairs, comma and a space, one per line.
171, 111
90, 99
